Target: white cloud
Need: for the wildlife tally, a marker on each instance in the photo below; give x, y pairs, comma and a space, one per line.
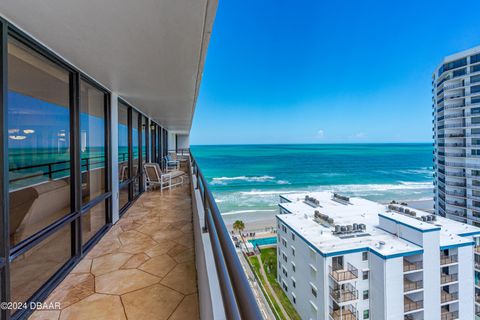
320, 134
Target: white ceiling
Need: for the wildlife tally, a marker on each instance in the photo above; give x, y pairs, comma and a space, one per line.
151, 52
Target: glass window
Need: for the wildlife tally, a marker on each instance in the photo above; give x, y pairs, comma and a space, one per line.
31, 270
365, 275
123, 174
475, 89
144, 139
93, 220
123, 196
459, 72
366, 314
364, 256
38, 141
153, 142
135, 137
474, 79
475, 100
92, 141
475, 58
365, 294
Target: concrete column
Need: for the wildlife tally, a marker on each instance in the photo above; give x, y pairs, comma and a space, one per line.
114, 150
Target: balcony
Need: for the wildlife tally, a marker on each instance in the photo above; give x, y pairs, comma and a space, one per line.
411, 266
448, 297
145, 267
448, 259
449, 315
448, 278
340, 274
148, 256
348, 312
409, 285
345, 294
410, 305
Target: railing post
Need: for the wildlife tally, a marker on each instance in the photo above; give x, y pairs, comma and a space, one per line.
50, 174
206, 213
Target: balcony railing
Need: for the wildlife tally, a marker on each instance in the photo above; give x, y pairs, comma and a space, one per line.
409, 285
447, 297
345, 294
448, 259
348, 312
237, 295
411, 266
340, 274
449, 315
447, 278
410, 305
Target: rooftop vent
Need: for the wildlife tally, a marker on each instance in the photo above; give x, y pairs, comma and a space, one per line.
356, 229
380, 244
323, 218
312, 201
341, 198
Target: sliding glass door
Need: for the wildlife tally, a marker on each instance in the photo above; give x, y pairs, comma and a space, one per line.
130, 154
40, 168
124, 150
59, 194
94, 155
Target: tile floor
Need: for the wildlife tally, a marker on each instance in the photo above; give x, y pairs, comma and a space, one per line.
143, 268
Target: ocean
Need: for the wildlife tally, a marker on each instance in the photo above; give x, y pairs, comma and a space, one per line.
247, 180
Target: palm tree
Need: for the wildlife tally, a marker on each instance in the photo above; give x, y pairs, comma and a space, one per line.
239, 226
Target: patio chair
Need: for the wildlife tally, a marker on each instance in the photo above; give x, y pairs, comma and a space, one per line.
156, 178
171, 164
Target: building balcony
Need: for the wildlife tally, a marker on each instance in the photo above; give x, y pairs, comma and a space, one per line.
448, 297
454, 105
409, 285
147, 256
449, 315
152, 265
344, 293
453, 86
340, 274
409, 305
477, 249
411, 266
348, 312
448, 259
448, 278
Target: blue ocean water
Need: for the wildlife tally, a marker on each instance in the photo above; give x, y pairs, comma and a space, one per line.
247, 179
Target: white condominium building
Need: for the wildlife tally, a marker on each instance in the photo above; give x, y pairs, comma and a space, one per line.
456, 132
350, 258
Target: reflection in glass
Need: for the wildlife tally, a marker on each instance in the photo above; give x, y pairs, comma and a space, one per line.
31, 270
93, 221
92, 140
136, 167
144, 139
38, 141
123, 196
123, 174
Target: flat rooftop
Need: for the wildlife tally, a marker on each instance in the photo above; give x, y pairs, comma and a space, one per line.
362, 211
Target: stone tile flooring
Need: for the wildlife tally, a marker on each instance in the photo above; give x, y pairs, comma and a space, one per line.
143, 268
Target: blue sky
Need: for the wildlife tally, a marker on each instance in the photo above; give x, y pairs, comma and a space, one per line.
327, 71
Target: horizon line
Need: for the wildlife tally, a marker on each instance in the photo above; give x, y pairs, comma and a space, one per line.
304, 143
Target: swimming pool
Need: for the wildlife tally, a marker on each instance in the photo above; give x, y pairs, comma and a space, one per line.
263, 241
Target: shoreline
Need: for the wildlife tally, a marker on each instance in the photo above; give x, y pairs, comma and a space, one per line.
260, 222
